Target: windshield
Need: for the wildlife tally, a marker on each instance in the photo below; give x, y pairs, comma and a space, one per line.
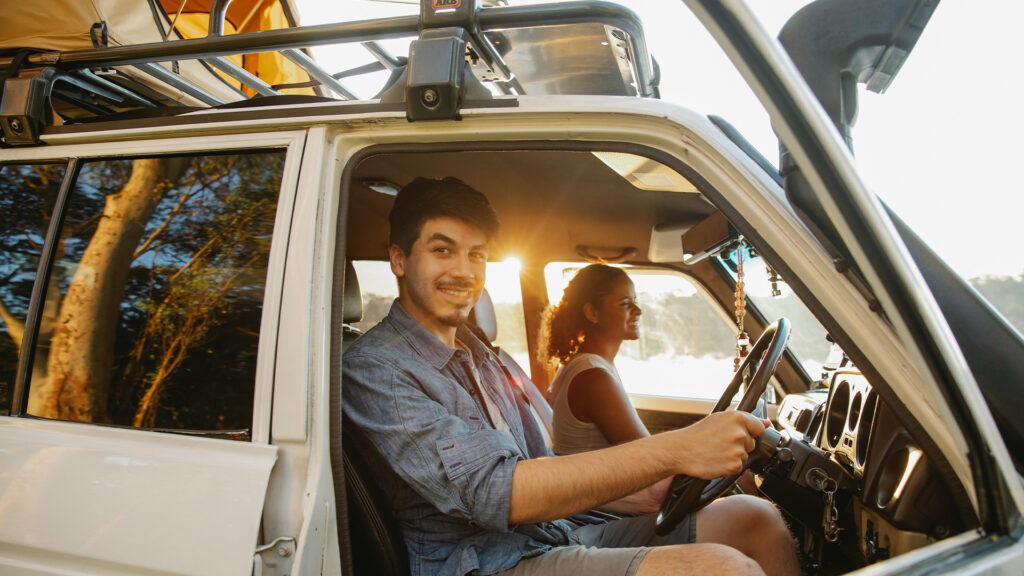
773, 298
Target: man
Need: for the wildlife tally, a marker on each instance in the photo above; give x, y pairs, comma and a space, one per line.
435, 403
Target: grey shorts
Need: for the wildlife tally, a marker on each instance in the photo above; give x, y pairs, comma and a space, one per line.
612, 549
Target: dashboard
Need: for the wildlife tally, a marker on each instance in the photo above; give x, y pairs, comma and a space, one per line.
888, 497
848, 419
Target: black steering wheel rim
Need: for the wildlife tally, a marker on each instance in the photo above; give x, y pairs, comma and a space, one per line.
687, 494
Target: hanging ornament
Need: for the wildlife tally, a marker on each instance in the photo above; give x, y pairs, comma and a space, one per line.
742, 339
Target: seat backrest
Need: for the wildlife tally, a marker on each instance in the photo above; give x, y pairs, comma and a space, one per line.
484, 317
378, 547
351, 306
376, 542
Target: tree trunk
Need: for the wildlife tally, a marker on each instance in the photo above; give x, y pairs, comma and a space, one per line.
82, 348
15, 327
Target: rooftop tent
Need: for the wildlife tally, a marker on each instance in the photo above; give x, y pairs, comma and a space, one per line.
69, 25
245, 16
64, 25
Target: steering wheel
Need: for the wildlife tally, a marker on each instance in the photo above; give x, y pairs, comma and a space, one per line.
687, 494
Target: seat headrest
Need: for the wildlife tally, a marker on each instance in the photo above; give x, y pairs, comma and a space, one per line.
352, 299
484, 317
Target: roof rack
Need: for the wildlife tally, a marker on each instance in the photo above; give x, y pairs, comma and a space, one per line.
106, 80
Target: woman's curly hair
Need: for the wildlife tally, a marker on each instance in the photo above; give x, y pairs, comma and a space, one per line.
564, 327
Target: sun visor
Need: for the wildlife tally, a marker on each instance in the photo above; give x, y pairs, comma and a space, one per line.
690, 241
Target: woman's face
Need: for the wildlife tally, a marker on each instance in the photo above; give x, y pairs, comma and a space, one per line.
618, 316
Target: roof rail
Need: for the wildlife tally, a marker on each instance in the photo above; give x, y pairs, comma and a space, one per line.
484, 26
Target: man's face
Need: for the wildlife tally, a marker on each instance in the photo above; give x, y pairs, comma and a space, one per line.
443, 274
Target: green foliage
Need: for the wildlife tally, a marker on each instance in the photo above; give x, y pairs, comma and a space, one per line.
198, 294
27, 196
511, 326
191, 308
375, 308
1006, 294
679, 325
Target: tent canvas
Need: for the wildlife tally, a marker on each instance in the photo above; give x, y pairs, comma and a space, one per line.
65, 25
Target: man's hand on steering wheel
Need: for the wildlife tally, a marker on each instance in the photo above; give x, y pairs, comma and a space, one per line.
736, 434
718, 445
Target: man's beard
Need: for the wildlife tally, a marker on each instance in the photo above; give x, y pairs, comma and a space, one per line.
456, 318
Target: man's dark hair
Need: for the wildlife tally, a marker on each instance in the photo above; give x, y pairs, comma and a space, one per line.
424, 199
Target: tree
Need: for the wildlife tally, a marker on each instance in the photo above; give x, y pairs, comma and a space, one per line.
82, 347
192, 311
1006, 294
27, 196
167, 251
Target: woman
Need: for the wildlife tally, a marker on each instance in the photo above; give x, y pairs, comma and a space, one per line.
583, 333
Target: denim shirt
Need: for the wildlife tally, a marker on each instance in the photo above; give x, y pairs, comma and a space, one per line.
450, 471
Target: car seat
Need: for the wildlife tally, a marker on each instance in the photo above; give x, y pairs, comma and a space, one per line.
484, 318
351, 306
374, 538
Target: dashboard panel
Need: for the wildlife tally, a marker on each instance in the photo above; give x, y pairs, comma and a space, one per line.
849, 414
801, 414
895, 500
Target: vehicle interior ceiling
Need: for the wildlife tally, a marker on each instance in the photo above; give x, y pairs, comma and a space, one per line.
552, 202
545, 218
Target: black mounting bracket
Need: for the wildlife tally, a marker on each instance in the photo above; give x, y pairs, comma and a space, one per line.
437, 78
437, 63
837, 44
24, 108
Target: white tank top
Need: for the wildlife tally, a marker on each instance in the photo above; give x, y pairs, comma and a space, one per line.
570, 435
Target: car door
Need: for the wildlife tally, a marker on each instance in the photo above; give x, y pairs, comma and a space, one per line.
869, 239
138, 352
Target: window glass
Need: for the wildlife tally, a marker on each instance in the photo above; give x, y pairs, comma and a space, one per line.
686, 345
27, 196
807, 337
379, 289
503, 286
158, 287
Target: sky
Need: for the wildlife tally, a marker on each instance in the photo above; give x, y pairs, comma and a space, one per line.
940, 147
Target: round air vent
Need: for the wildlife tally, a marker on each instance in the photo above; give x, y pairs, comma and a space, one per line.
855, 406
864, 429
835, 421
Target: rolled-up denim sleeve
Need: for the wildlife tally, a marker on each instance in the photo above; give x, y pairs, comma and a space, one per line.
462, 471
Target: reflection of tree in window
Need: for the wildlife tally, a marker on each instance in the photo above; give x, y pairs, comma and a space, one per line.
161, 274
27, 197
